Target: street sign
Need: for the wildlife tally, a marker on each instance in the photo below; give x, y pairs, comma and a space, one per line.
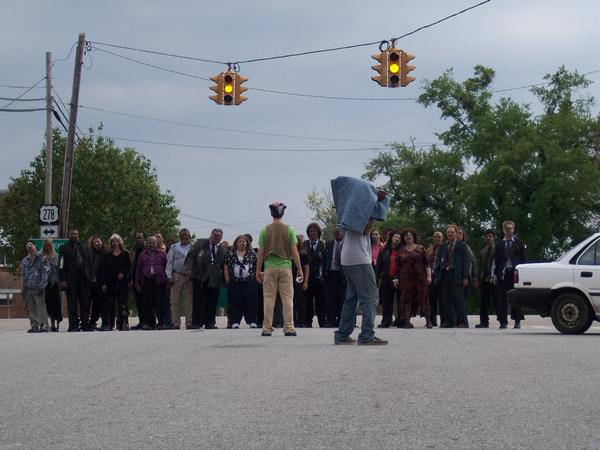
48, 231
56, 242
49, 214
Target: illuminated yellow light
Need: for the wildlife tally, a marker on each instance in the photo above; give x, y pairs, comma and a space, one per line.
394, 68
228, 88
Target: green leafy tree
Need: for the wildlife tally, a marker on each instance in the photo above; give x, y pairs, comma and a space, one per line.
500, 161
323, 209
114, 190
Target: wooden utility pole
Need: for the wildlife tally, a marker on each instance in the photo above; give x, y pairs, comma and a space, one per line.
48, 190
70, 146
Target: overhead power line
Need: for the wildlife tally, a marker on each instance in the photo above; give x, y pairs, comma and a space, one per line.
15, 86
21, 110
3, 108
291, 55
23, 99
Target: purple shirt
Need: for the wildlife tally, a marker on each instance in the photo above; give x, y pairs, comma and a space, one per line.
151, 265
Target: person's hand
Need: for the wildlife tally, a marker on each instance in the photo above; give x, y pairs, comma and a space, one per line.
428, 279
300, 276
305, 285
120, 276
381, 195
476, 283
188, 273
465, 282
396, 283
138, 288
104, 288
170, 281
260, 277
493, 279
63, 285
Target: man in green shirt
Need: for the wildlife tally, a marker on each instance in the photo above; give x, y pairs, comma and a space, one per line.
277, 248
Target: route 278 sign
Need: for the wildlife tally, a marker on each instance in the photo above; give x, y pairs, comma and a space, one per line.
49, 214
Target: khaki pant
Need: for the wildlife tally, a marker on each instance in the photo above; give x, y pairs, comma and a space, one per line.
36, 306
278, 280
181, 299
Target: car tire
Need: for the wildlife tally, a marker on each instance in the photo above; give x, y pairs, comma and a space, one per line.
571, 313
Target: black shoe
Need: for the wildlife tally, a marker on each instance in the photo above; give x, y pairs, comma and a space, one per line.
308, 325
383, 325
517, 324
482, 325
137, 327
74, 330
54, 329
211, 327
503, 326
44, 329
345, 341
374, 341
265, 333
88, 329
290, 333
147, 327
34, 329
193, 327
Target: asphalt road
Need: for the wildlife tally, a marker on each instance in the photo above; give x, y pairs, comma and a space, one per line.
442, 388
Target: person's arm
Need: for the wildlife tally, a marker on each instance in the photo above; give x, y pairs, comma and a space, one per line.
493, 278
138, 272
169, 267
427, 267
259, 264
465, 266
226, 272
306, 276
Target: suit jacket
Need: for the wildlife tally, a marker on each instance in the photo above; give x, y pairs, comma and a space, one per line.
460, 262
328, 259
382, 269
204, 268
316, 258
68, 270
518, 256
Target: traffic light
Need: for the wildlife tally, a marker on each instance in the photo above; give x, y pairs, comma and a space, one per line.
405, 68
381, 68
394, 67
228, 88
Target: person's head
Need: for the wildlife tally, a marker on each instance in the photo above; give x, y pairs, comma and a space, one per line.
461, 234
139, 239
438, 238
96, 243
216, 235
313, 231
241, 244
152, 243
375, 236
184, 236
508, 226
277, 210
116, 242
30, 248
73, 235
452, 232
338, 234
225, 245
48, 248
393, 239
249, 238
489, 236
159, 239
170, 243
409, 236
300, 239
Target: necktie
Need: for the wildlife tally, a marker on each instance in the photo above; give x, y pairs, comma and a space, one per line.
213, 252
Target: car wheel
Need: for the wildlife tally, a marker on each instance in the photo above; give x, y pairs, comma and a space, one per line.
571, 314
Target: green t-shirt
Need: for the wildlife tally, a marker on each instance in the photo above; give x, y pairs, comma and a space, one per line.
274, 261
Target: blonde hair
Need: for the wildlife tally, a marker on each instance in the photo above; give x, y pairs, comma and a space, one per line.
51, 253
118, 238
507, 222
452, 225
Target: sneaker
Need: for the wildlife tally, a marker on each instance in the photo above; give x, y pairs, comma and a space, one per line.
235, 326
266, 333
482, 325
344, 341
374, 341
44, 329
290, 333
253, 325
34, 329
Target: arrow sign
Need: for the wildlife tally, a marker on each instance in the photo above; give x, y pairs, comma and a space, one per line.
48, 231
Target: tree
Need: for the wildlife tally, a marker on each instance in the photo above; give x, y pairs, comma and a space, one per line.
321, 204
114, 190
502, 162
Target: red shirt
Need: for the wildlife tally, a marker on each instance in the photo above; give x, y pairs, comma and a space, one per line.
393, 258
375, 250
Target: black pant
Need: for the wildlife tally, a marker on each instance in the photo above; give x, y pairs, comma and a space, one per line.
316, 294
53, 304
486, 291
242, 301
118, 295
452, 293
97, 300
204, 307
77, 297
504, 286
336, 294
387, 294
434, 299
139, 305
152, 302
260, 304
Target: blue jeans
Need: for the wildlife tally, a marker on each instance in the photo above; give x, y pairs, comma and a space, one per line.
361, 290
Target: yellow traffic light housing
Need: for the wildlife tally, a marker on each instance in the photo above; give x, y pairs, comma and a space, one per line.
381, 68
228, 88
406, 68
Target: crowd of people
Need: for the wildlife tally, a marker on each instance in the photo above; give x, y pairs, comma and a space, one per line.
274, 284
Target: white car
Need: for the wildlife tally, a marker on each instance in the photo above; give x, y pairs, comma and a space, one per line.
567, 289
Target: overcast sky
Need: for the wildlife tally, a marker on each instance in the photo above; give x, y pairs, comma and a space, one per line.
521, 40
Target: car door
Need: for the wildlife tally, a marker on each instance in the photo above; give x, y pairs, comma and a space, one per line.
587, 272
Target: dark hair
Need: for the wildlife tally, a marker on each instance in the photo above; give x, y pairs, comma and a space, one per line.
405, 231
139, 232
249, 237
464, 232
248, 243
216, 229
316, 226
490, 231
388, 243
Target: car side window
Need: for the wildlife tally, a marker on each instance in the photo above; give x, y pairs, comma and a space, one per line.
591, 257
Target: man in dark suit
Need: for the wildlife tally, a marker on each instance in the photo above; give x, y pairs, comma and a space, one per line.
75, 273
206, 259
335, 284
451, 272
315, 249
509, 252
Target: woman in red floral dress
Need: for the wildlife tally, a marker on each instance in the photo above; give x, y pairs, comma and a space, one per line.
413, 276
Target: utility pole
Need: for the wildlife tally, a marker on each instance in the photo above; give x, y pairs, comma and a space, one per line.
70, 146
48, 191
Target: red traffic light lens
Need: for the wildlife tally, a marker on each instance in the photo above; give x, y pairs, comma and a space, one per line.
228, 78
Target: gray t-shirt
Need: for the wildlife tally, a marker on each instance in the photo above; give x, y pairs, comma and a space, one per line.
356, 249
